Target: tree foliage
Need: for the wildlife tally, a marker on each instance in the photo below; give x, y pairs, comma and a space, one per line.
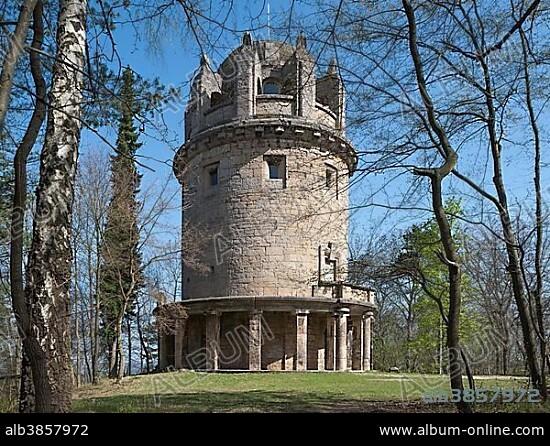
420, 259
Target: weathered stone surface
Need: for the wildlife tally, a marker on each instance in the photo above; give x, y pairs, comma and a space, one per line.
301, 339
342, 339
212, 340
255, 341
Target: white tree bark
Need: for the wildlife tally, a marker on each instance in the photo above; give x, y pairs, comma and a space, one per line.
49, 272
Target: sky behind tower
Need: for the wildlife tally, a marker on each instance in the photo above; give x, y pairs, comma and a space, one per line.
171, 52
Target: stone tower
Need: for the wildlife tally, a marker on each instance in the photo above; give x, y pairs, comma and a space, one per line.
265, 172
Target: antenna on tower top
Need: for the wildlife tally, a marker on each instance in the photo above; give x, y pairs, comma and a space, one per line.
268, 20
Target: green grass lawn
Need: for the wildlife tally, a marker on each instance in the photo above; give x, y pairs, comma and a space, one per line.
281, 392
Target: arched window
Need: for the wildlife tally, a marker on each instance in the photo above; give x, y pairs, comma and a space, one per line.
271, 87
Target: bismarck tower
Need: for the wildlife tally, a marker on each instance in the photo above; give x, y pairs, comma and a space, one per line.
265, 171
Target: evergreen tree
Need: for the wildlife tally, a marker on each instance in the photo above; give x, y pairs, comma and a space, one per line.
120, 273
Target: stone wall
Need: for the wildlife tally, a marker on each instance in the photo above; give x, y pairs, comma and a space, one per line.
316, 341
234, 341
264, 234
279, 349
193, 355
270, 104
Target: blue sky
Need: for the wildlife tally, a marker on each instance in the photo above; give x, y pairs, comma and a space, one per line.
174, 59
173, 56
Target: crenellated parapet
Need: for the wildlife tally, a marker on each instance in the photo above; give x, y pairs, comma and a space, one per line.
262, 78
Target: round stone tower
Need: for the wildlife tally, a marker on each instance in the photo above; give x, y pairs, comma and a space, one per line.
265, 173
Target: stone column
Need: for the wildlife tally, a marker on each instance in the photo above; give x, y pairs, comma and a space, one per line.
163, 354
331, 342
178, 344
357, 341
342, 338
368, 318
255, 340
213, 340
301, 339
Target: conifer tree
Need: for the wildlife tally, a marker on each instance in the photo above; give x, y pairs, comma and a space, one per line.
120, 273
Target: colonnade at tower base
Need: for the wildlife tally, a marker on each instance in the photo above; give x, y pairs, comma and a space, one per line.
263, 333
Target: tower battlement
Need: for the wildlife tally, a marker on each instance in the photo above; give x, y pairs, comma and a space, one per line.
265, 78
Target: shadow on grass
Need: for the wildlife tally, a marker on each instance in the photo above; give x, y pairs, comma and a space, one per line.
248, 401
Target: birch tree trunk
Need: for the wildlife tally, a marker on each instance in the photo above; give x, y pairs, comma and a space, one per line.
49, 271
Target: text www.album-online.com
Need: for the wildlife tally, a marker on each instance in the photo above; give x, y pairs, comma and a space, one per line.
489, 430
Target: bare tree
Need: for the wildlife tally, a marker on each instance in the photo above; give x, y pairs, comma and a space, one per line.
91, 202
485, 265
372, 264
537, 290
44, 311
12, 55
20, 196
436, 175
475, 82
483, 79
